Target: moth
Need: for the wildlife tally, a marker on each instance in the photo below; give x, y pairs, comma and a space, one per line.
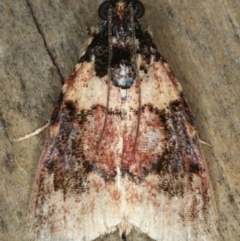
122, 151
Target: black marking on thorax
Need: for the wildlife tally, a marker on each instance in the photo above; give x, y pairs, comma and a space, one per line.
121, 48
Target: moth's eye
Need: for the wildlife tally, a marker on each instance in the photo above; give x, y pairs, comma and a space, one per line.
103, 10
139, 9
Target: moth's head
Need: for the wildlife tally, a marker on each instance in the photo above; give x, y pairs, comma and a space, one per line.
120, 7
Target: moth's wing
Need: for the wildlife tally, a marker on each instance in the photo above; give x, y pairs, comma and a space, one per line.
172, 198
74, 196
120, 158
154, 178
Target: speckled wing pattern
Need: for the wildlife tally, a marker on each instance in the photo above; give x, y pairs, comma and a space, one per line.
122, 151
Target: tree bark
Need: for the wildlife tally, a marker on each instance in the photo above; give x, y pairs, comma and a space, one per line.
39, 45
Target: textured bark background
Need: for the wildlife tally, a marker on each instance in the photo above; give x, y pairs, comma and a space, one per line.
39, 45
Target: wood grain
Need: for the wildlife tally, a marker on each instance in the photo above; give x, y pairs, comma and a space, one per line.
39, 45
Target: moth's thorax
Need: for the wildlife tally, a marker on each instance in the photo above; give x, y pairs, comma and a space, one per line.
122, 47
119, 42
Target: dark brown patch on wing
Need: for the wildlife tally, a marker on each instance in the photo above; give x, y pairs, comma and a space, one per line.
98, 48
68, 161
74, 156
180, 152
146, 48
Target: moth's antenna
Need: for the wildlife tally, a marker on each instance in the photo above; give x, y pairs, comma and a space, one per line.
133, 37
109, 74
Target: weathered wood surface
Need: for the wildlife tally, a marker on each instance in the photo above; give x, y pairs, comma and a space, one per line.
39, 45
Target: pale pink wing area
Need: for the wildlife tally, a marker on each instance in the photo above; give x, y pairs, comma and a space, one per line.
154, 178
